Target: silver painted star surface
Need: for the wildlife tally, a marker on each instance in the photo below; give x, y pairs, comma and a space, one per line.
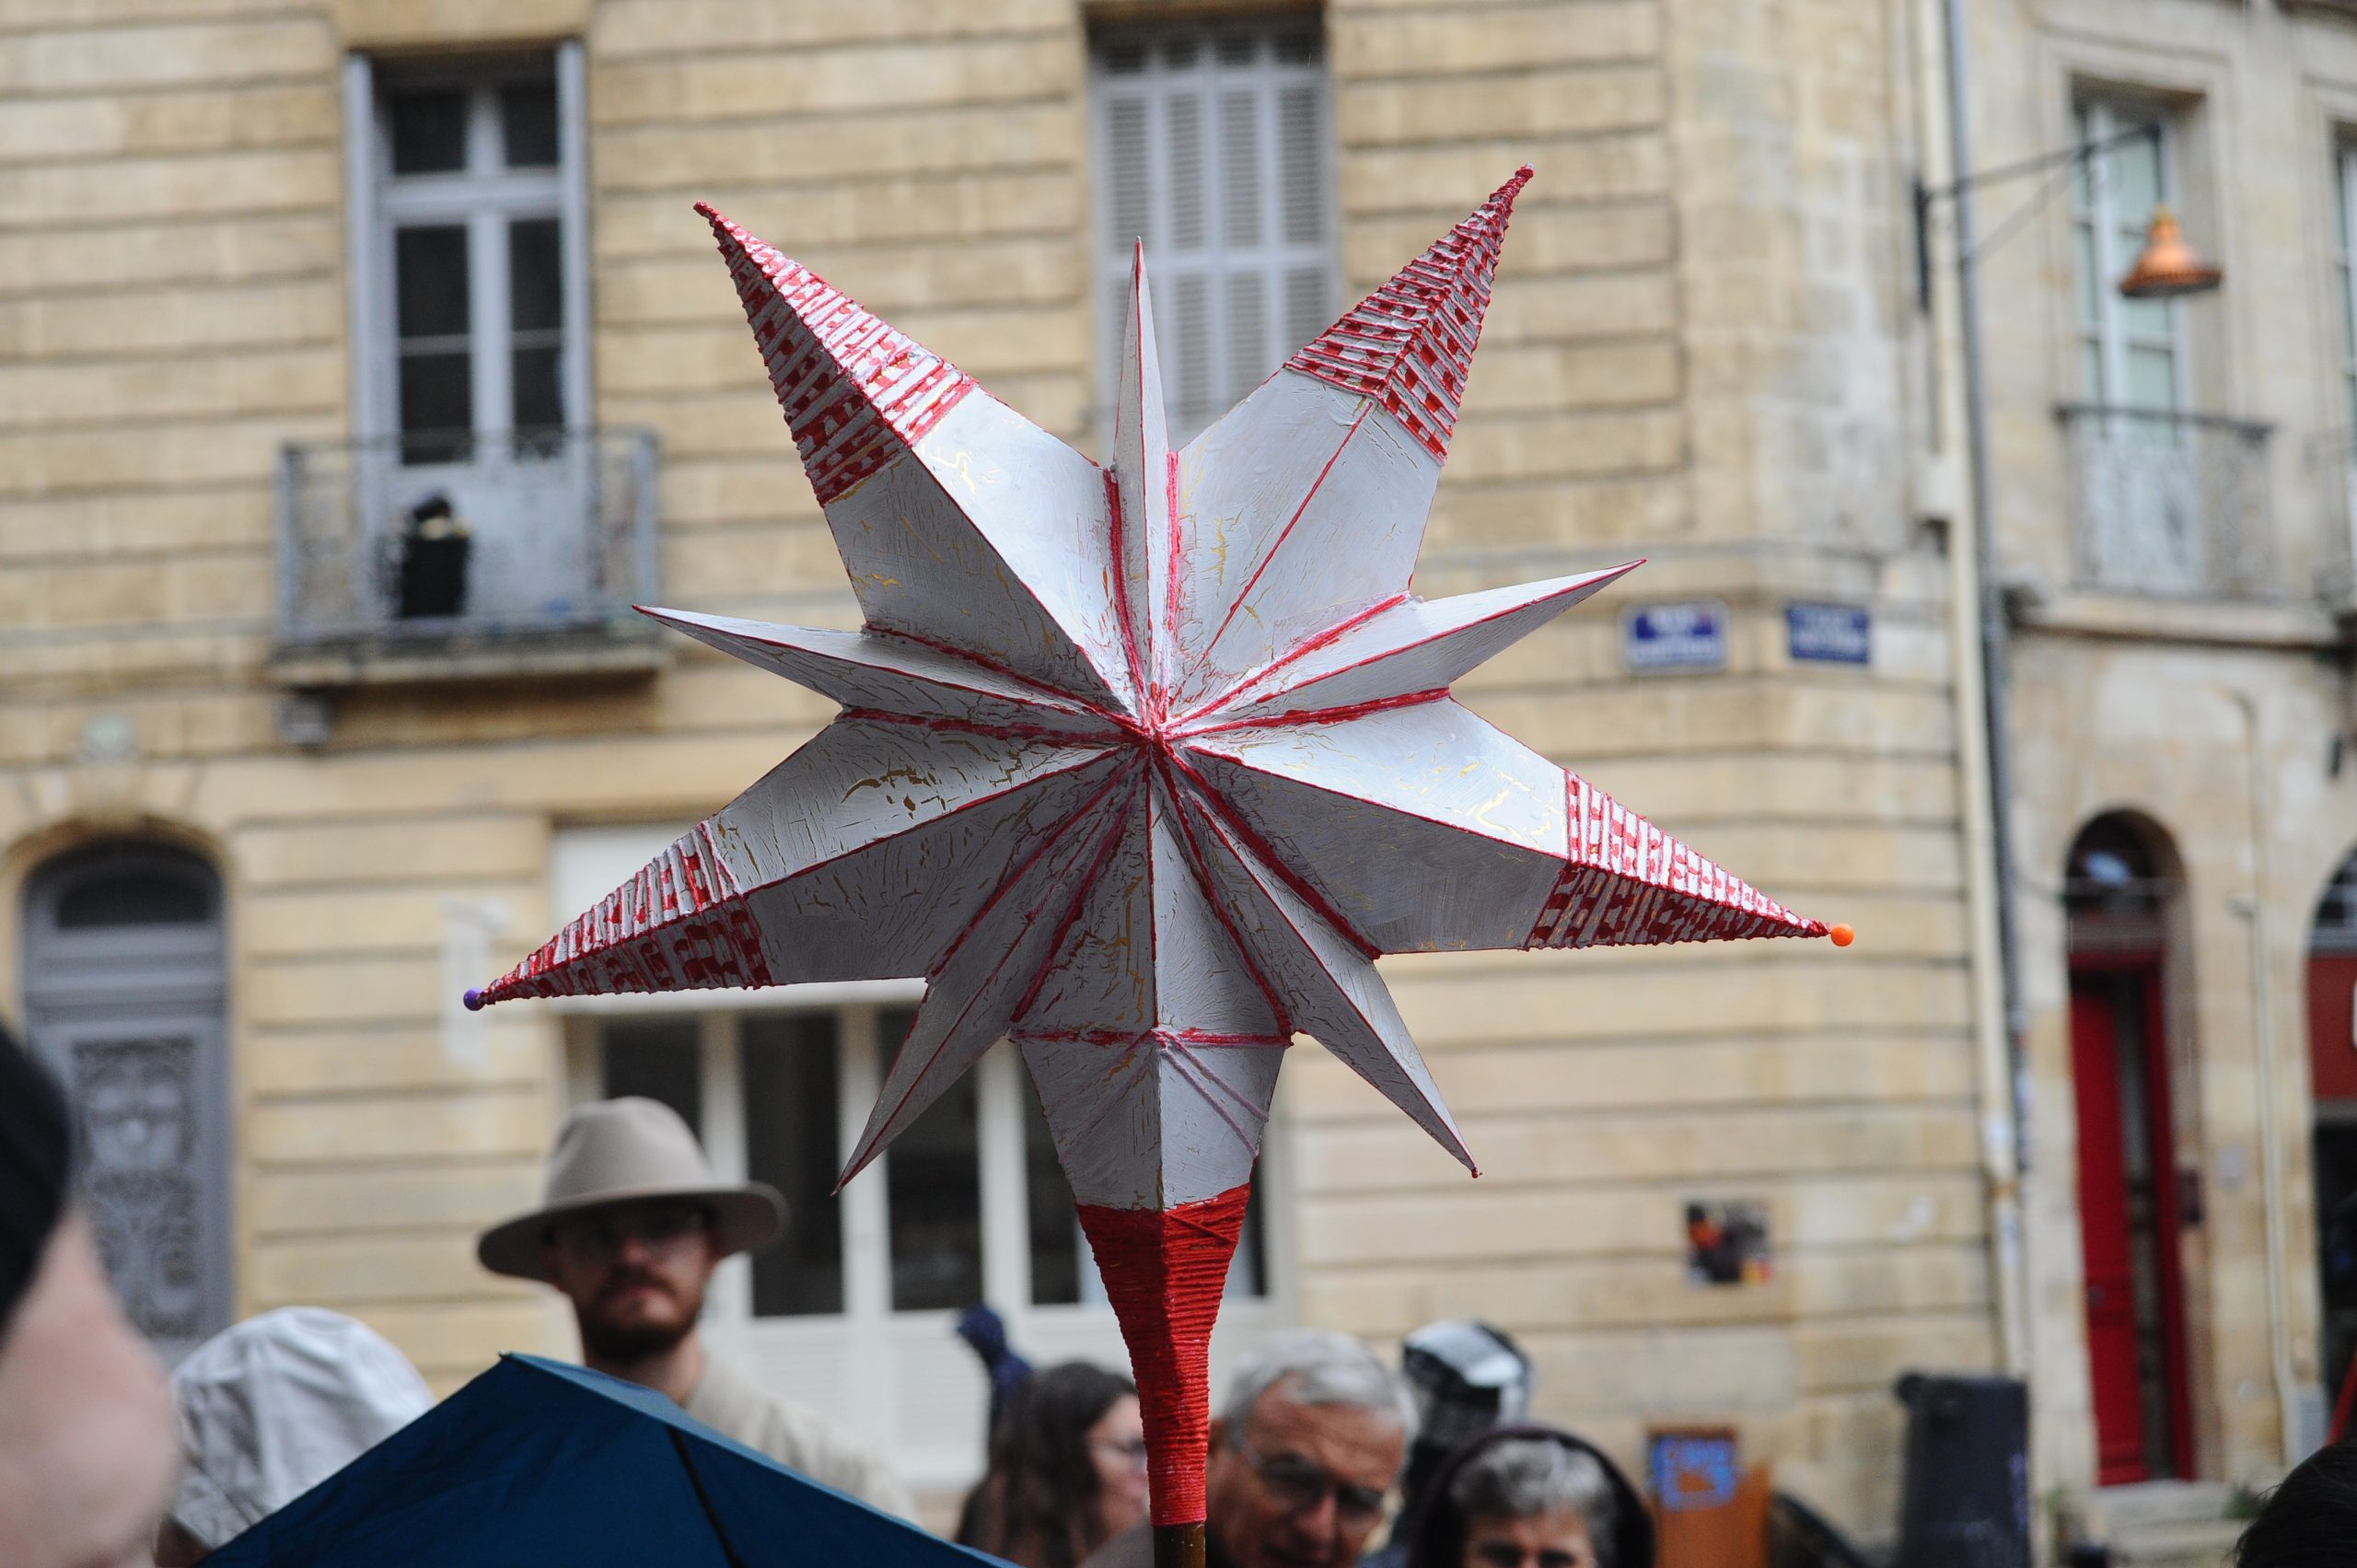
1141, 765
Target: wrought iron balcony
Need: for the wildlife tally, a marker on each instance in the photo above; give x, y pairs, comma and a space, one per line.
498, 556
2169, 504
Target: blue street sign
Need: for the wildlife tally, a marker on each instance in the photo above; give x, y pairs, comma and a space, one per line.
1693, 635
1829, 634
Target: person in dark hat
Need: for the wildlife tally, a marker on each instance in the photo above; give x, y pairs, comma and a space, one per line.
1530, 1497
1465, 1379
632, 1224
88, 1448
2310, 1521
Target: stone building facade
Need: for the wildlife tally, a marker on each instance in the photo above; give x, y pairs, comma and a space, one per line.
267, 808
2173, 543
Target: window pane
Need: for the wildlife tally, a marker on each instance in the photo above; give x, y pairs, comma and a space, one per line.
2135, 177
2147, 319
138, 898
527, 124
540, 398
1301, 165
1248, 332
1185, 330
933, 1190
1055, 1229
1310, 307
429, 131
659, 1058
790, 1142
1247, 1275
1129, 183
1239, 167
430, 281
1182, 121
2085, 176
437, 407
535, 276
2151, 377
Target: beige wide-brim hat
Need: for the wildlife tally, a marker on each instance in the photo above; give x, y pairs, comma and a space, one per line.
619, 1150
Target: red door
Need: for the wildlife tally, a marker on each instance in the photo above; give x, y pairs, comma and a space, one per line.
2128, 1224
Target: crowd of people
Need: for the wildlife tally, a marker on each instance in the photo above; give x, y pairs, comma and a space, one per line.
1314, 1445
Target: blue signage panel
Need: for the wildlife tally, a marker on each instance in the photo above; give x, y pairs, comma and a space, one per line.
1829, 634
1692, 1472
1693, 635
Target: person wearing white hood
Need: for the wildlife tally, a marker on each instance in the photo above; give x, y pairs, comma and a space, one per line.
269, 1409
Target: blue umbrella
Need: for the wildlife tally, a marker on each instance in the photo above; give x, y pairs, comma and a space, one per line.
536, 1461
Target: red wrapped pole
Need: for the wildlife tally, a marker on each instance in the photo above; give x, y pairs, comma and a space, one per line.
1165, 1271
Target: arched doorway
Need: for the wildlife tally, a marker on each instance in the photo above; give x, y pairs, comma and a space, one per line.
123, 996
2332, 1081
2117, 892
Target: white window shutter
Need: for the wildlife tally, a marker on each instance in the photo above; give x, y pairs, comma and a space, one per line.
1212, 147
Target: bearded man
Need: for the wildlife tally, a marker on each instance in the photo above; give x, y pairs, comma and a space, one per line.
632, 1224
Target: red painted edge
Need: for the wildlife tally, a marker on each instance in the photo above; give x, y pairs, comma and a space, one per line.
1165, 1271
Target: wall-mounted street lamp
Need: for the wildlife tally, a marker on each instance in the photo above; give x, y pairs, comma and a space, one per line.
2167, 268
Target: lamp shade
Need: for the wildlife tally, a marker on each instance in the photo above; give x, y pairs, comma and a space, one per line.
2168, 267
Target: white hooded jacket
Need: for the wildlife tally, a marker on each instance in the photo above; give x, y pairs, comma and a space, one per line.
273, 1406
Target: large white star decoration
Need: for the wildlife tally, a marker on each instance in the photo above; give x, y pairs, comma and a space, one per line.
1141, 765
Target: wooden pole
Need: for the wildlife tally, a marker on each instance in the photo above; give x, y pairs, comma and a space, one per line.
1178, 1546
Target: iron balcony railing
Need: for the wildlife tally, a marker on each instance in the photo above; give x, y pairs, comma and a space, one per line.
2169, 504
520, 537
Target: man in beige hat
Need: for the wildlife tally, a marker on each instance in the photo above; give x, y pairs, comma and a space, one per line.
631, 1225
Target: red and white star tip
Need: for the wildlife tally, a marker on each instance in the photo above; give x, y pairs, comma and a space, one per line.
1141, 764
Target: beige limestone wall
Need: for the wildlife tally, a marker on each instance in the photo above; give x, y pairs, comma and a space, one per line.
1697, 352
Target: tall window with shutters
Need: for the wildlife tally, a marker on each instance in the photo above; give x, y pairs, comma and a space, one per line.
1213, 146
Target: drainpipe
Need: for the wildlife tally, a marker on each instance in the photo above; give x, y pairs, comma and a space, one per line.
2270, 1139
1976, 603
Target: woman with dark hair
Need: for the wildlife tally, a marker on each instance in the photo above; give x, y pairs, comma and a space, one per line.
1067, 1469
2310, 1521
1530, 1497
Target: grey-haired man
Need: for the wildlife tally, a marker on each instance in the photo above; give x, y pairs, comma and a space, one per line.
1302, 1456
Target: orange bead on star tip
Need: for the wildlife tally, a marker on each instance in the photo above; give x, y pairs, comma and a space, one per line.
1842, 936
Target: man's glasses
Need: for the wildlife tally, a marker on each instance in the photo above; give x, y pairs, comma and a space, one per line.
659, 1227
1303, 1487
